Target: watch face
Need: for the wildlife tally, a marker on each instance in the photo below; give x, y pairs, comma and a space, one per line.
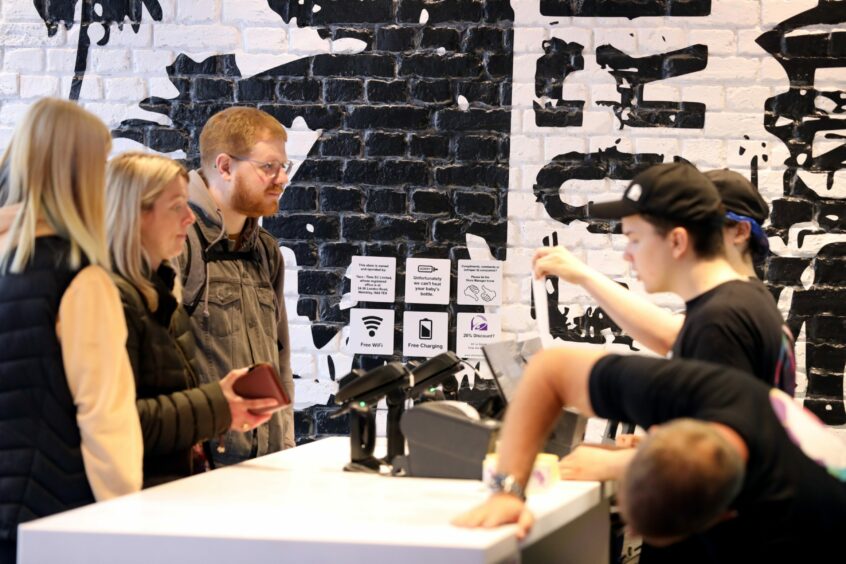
506, 483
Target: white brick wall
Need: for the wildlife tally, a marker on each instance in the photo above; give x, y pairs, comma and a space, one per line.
739, 77
23, 60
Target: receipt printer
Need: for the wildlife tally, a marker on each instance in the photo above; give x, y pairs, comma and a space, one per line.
446, 439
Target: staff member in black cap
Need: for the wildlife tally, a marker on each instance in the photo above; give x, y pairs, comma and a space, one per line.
674, 219
746, 211
679, 240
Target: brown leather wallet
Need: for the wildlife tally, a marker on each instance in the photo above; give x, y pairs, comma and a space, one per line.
262, 381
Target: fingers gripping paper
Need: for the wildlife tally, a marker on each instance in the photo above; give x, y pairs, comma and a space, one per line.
542, 310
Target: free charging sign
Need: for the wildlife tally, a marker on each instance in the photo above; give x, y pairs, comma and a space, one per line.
425, 333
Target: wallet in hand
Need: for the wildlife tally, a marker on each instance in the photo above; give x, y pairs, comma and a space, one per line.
262, 381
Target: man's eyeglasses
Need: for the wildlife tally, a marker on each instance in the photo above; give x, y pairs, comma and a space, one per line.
269, 169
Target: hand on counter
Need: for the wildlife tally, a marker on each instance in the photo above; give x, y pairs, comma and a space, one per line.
595, 463
627, 440
242, 418
499, 509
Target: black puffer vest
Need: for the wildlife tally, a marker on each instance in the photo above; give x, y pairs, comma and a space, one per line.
42, 470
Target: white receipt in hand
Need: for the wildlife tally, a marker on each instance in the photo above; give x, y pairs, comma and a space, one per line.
542, 310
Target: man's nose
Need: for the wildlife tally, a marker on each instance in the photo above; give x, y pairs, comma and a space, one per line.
281, 177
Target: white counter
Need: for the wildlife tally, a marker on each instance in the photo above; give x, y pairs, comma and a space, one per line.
299, 506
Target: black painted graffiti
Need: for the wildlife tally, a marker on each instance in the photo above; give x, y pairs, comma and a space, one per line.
605, 163
801, 114
611, 8
394, 142
805, 118
345, 183
559, 60
633, 74
61, 12
594, 326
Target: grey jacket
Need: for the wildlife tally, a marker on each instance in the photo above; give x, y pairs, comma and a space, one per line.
239, 318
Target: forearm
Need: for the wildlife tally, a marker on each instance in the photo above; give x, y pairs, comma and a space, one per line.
553, 379
617, 462
177, 421
653, 326
595, 463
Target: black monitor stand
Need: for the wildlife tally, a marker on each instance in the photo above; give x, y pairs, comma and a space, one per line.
362, 441
396, 440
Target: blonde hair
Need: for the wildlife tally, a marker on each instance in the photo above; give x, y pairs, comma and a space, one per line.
134, 182
54, 168
235, 131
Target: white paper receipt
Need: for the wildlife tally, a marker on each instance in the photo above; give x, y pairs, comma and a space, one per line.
542, 310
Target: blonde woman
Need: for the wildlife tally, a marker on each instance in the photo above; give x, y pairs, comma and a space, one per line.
148, 218
68, 426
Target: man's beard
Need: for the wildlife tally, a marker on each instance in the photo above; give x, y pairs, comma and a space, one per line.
252, 204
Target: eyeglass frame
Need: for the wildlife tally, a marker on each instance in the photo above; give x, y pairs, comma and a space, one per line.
287, 166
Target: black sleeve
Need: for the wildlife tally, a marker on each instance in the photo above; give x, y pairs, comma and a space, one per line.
648, 391
175, 421
179, 420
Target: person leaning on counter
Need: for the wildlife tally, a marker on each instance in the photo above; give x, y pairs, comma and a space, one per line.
718, 479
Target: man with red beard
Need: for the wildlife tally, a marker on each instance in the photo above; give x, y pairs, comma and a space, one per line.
232, 269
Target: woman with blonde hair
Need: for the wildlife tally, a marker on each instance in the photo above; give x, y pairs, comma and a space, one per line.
68, 426
148, 218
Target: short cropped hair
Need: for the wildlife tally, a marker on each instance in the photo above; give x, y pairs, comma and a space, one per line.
683, 477
753, 248
235, 131
707, 236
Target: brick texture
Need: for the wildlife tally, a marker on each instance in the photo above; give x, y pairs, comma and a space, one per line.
483, 132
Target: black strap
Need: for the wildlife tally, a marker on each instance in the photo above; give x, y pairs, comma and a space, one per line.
194, 272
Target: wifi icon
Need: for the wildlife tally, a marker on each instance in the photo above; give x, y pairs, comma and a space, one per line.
372, 323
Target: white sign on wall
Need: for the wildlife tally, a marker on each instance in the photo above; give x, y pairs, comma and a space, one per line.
427, 281
371, 331
480, 282
473, 330
373, 279
425, 333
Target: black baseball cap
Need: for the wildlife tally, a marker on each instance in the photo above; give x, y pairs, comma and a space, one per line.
674, 191
739, 195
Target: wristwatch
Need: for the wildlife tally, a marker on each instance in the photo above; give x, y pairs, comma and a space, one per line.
508, 484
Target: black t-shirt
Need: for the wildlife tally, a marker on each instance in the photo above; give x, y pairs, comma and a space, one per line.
738, 324
788, 506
